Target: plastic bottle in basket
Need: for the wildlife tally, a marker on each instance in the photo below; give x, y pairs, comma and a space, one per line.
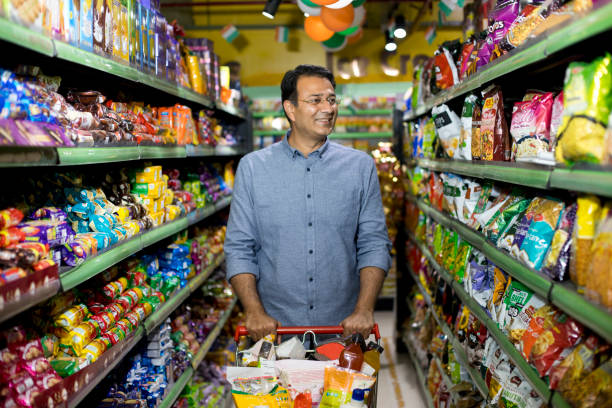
352, 355
357, 400
372, 357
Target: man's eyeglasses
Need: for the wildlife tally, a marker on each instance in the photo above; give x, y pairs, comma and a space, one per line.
314, 101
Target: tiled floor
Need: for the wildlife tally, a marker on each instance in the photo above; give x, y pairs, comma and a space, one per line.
397, 380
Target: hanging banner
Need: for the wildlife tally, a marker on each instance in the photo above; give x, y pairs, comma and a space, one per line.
282, 34
229, 32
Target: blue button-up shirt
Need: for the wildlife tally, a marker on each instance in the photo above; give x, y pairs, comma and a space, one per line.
305, 227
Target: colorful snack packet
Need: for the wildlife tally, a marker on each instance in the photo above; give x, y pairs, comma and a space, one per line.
530, 127
10, 217
448, 128
540, 233
493, 128
476, 135
587, 215
517, 309
599, 284
557, 258
72, 317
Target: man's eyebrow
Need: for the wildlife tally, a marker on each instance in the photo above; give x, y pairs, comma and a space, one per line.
320, 94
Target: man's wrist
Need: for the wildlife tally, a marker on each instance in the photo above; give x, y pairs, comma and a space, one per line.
364, 309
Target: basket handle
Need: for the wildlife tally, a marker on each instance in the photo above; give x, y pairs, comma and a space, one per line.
242, 330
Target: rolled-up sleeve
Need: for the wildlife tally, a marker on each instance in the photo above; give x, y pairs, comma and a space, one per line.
373, 244
241, 237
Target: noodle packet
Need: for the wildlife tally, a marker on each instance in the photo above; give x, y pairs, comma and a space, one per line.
448, 128
587, 103
493, 127
540, 233
465, 140
557, 258
530, 127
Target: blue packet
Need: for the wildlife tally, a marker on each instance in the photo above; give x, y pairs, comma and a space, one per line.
541, 231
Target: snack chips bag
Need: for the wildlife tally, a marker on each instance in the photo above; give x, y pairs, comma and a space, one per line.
493, 127
587, 215
465, 140
540, 233
448, 128
530, 127
517, 309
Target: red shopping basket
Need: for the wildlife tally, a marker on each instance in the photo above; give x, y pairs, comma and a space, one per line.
313, 331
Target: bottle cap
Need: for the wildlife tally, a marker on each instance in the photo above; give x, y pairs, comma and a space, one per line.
358, 394
374, 346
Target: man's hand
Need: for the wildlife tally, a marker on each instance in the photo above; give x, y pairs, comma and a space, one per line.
360, 321
259, 325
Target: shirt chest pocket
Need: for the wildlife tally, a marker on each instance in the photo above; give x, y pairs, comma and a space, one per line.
340, 207
278, 207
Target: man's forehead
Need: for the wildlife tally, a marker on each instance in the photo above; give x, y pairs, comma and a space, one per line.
314, 85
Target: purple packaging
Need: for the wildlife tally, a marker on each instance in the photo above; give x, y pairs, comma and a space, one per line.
53, 233
160, 45
9, 135
73, 253
506, 11
50, 213
151, 18
40, 134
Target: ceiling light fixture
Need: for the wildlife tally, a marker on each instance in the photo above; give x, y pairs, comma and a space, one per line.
399, 30
270, 9
390, 44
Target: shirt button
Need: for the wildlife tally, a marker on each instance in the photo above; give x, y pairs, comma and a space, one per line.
310, 252
310, 279
311, 307
310, 224
308, 196
307, 168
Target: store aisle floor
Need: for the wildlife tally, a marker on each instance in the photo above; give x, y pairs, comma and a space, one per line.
397, 382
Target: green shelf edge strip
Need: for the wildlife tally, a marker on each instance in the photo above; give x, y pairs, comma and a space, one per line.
212, 336
75, 399
199, 280
23, 36
162, 152
177, 388
341, 112
99, 263
562, 295
422, 380
596, 182
579, 28
528, 371
89, 155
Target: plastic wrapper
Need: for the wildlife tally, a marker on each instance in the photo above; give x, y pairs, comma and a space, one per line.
599, 282
80, 336
10, 217
596, 388
66, 366
553, 345
429, 138
445, 70
476, 135
542, 319
72, 317
493, 127
587, 215
517, 309
557, 259
94, 350
53, 233
50, 213
540, 234
11, 236
448, 128
465, 141
339, 384
587, 101
530, 127
517, 233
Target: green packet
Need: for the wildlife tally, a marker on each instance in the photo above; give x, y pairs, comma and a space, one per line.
464, 252
449, 250
500, 222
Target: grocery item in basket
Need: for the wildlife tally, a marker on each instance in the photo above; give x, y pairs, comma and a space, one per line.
587, 215
530, 127
339, 385
587, 102
448, 128
517, 309
493, 127
598, 284
540, 233
557, 258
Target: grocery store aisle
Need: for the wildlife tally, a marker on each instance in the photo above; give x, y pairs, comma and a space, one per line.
397, 381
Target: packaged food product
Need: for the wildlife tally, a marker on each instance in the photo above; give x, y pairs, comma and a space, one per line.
543, 319
599, 282
429, 138
11, 236
518, 232
493, 128
94, 350
557, 258
540, 233
72, 317
587, 215
465, 141
554, 344
587, 102
596, 388
80, 336
476, 135
448, 128
556, 118
517, 309
445, 69
530, 127
10, 217
522, 27
339, 384
66, 366
50, 345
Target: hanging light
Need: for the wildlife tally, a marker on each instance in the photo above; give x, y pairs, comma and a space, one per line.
270, 8
399, 30
390, 44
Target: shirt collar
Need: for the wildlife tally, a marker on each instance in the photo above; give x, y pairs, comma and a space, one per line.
292, 152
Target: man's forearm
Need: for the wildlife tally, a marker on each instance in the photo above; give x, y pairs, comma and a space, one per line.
245, 287
371, 279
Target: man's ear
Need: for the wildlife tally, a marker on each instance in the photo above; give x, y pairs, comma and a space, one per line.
289, 110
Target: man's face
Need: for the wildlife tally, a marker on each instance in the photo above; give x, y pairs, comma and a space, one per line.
314, 115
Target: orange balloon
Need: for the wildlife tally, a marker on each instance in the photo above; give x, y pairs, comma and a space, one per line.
338, 19
316, 30
324, 2
352, 39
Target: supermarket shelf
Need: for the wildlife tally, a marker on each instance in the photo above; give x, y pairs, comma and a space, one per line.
232, 110
596, 181
199, 280
25, 37
177, 388
87, 379
509, 172
212, 336
341, 112
562, 295
445, 379
199, 151
422, 380
162, 152
29, 299
502, 340
578, 28
93, 266
71, 156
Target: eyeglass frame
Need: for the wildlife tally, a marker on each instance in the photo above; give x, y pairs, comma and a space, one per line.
313, 103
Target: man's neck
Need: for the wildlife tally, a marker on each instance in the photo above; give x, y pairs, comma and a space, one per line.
303, 144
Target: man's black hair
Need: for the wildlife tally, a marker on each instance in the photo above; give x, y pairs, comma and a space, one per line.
290, 80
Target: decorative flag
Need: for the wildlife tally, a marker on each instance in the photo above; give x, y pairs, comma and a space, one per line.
447, 6
282, 34
430, 34
229, 32
441, 18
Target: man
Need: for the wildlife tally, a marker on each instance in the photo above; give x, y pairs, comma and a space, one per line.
306, 241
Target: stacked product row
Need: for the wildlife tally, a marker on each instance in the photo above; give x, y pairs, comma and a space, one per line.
510, 24
544, 127
132, 32
35, 114
76, 328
